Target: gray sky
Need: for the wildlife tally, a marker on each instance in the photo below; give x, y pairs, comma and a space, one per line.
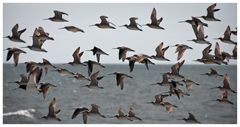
82, 15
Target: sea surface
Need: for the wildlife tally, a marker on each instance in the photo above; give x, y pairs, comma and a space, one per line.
27, 107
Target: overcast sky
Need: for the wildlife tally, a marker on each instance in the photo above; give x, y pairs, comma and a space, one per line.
82, 15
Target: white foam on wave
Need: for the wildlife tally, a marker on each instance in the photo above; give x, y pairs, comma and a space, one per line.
26, 113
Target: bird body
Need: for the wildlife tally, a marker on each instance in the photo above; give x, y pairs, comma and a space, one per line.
155, 23
97, 51
160, 51
210, 13
52, 112
104, 24
91, 64
191, 119
15, 52
16, 34
123, 52
133, 24
181, 49
73, 29
58, 16
227, 37
120, 77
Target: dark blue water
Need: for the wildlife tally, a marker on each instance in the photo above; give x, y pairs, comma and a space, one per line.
24, 107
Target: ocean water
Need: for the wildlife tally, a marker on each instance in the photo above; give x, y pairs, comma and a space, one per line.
27, 107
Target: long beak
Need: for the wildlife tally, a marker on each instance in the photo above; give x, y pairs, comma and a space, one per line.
213, 100
45, 19
216, 38
181, 21
140, 25
61, 28
122, 26
89, 50
144, 25
198, 17
24, 47
112, 23
179, 119
92, 25
213, 88
5, 37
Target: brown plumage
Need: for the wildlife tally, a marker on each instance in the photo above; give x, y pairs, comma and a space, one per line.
226, 84
133, 24
155, 23
44, 88
73, 29
15, 52
86, 112
210, 13
52, 112
123, 52
97, 51
16, 34
58, 16
224, 98
104, 24
77, 57
120, 77
160, 51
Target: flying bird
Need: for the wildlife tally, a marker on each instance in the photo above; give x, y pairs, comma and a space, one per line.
120, 77
64, 72
194, 22
212, 72
91, 64
77, 57
208, 58
226, 84
160, 51
43, 88
227, 37
15, 52
38, 40
123, 52
131, 115
73, 29
224, 98
189, 84
22, 84
52, 112
133, 24
97, 51
191, 119
104, 24
155, 23
165, 80
234, 52
210, 13
181, 49
16, 34
58, 16
140, 58
199, 33
94, 80
34, 78
87, 112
